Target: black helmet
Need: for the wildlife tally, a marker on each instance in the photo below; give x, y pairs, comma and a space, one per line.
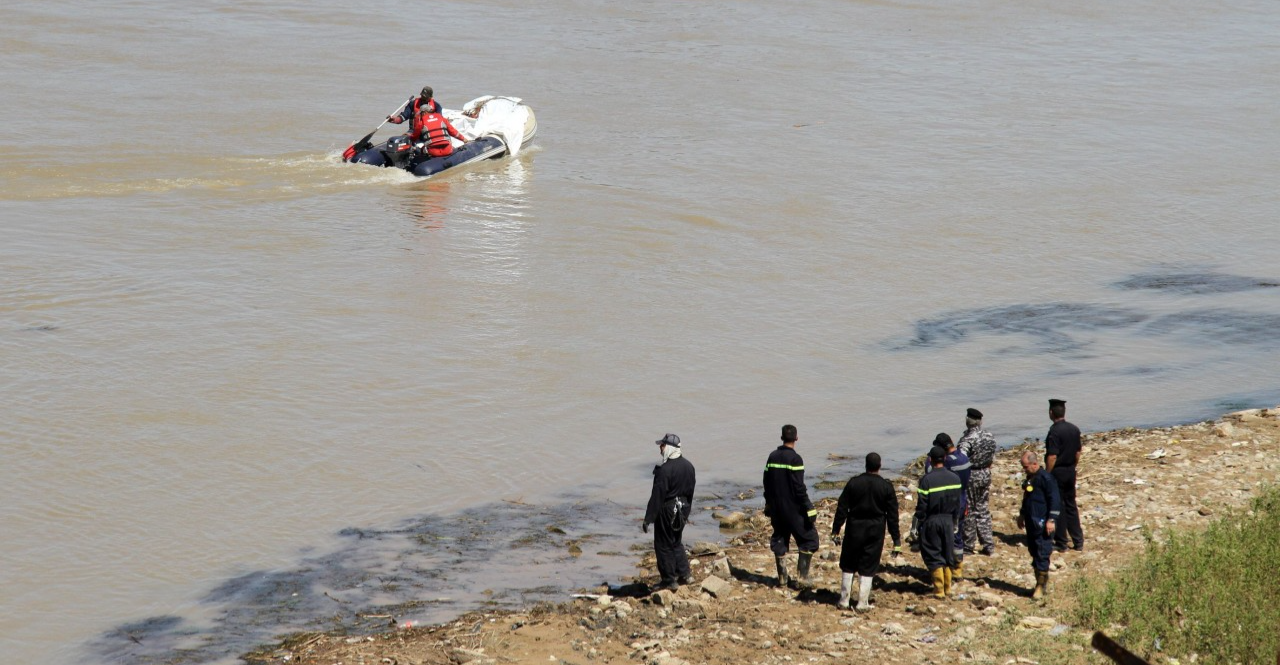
427, 92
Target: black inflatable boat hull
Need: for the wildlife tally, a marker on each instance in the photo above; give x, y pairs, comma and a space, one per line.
485, 147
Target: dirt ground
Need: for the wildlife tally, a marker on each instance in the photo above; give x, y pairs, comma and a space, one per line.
1132, 483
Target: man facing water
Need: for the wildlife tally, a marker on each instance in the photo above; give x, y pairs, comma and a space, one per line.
938, 514
958, 463
786, 502
870, 505
980, 446
669, 504
1061, 454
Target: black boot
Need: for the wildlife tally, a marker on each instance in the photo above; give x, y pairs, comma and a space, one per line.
783, 578
802, 567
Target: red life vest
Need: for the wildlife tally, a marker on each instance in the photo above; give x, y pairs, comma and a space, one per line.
435, 129
415, 115
415, 131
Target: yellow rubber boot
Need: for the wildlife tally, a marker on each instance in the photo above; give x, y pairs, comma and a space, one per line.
1042, 585
957, 573
946, 581
939, 582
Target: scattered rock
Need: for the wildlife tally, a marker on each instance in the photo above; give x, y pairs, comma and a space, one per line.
460, 655
664, 597
704, 548
688, 606
984, 599
1038, 623
733, 520
720, 568
893, 629
716, 586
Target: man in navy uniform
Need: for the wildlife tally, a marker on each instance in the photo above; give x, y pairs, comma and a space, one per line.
1039, 515
958, 463
938, 515
786, 502
668, 511
1061, 454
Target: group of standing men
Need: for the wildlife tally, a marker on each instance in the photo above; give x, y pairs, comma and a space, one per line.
952, 515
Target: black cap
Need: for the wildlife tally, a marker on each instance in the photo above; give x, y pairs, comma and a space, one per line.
973, 413
670, 440
937, 453
1057, 402
427, 92
943, 440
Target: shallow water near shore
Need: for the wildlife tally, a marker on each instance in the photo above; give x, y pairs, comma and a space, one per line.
226, 355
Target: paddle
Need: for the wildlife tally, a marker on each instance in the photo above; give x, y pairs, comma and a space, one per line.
364, 143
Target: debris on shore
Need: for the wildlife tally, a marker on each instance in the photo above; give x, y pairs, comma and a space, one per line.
1133, 486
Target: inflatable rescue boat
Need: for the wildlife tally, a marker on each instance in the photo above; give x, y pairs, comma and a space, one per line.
495, 126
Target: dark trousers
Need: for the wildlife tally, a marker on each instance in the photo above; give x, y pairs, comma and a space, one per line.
960, 544
1039, 544
788, 526
938, 542
1069, 522
673, 561
863, 543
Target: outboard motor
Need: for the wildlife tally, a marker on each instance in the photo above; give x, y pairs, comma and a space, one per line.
399, 151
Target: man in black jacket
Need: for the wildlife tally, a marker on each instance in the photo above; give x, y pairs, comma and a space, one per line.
669, 505
870, 505
786, 502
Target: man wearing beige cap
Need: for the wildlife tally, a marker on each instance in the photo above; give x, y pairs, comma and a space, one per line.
669, 505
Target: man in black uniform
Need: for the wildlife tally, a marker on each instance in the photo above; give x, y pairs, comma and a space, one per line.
958, 463
1061, 454
1039, 515
669, 506
869, 504
938, 514
786, 502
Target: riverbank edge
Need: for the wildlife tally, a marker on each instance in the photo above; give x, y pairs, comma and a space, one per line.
673, 626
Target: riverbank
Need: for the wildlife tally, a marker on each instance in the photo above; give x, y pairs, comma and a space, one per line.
1134, 486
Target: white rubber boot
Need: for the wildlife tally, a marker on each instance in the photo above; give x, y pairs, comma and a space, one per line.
846, 586
864, 594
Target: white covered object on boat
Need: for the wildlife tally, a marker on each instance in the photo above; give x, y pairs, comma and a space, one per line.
505, 117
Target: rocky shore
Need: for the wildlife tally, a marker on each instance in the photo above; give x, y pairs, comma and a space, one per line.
1134, 485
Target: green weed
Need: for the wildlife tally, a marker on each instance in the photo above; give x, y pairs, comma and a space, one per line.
1211, 593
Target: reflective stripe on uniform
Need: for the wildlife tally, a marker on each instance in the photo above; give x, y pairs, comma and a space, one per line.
939, 489
812, 513
784, 466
